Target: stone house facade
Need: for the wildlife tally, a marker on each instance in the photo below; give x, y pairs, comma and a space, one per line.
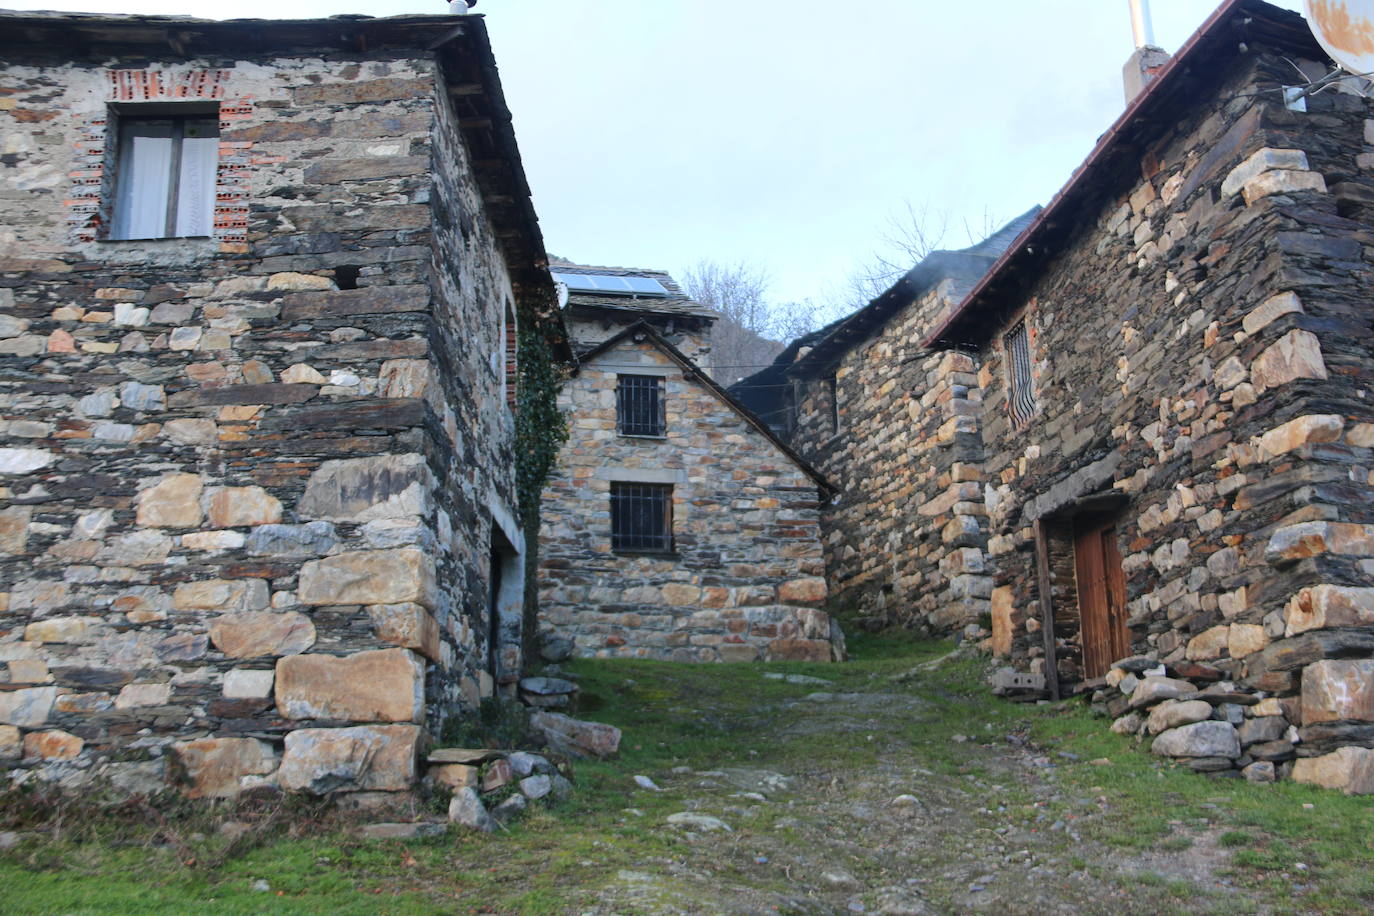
677, 525
897, 425
256, 467
1159, 396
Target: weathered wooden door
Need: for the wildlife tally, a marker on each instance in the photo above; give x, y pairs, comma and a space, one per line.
1101, 596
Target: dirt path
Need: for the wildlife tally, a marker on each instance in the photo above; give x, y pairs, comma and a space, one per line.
864, 802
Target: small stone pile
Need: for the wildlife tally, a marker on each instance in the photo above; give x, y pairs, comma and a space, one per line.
1194, 716
492, 787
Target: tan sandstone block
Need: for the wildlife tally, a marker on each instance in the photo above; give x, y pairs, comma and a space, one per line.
384, 685
409, 626
1361, 435
68, 630
221, 595
1208, 644
291, 281
811, 590
1309, 539
134, 696
1246, 639
681, 595
1301, 431
1338, 689
1297, 354
215, 767
1003, 629
53, 745
235, 507
456, 775
1350, 769
1282, 181
257, 633
1270, 310
1323, 606
302, 374
372, 757
173, 502
398, 576
11, 743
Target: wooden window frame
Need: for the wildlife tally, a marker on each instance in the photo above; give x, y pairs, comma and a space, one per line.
178, 119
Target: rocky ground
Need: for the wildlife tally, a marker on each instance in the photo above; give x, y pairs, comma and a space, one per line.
985, 827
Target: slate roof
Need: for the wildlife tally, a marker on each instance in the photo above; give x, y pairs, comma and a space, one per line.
1182, 82
677, 301
762, 392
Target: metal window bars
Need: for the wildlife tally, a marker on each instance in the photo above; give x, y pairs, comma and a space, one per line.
1021, 398
642, 517
639, 405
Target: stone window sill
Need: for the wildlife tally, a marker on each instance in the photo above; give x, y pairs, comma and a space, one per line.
662, 438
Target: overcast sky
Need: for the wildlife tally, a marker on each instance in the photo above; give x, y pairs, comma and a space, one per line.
784, 133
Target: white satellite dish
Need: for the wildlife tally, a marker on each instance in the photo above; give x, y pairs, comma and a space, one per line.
1345, 28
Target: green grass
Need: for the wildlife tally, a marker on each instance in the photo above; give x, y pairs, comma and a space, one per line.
79, 858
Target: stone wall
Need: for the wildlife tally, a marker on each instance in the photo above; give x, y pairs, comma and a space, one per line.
246, 505
905, 541
1201, 347
745, 579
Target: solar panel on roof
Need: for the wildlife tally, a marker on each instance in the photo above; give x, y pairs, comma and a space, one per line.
609, 284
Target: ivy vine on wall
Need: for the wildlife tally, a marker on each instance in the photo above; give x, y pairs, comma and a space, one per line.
540, 431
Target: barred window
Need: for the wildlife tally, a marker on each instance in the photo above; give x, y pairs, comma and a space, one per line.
639, 405
1021, 393
642, 517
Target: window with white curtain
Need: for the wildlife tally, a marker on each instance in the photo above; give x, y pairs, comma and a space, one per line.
165, 175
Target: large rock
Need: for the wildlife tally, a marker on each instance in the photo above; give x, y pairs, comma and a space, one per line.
14, 529
215, 767
466, 810
1262, 729
400, 576
11, 743
1209, 644
1156, 689
1295, 355
576, 738
379, 758
254, 634
235, 507
310, 540
53, 745
409, 626
223, 595
1309, 539
385, 685
1302, 431
363, 489
1350, 769
1173, 714
1323, 606
173, 502
811, 590
1338, 689
1201, 739
1246, 639
29, 707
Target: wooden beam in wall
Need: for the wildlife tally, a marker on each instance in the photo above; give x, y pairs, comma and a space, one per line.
1042, 576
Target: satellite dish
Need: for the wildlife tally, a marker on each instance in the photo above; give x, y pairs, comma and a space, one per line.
1345, 29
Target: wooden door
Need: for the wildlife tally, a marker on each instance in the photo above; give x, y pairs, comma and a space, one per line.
1101, 596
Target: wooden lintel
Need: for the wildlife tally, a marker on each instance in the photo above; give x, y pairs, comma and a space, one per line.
474, 122
465, 89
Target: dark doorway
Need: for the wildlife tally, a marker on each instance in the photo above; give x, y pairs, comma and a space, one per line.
1101, 594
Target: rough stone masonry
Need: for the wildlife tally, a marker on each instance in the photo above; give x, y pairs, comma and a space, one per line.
249, 481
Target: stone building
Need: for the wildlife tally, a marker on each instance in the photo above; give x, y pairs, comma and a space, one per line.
677, 525
896, 425
257, 284
1155, 406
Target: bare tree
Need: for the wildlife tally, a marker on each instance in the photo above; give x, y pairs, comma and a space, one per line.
740, 340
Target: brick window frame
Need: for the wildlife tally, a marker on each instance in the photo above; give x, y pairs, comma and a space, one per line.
90, 206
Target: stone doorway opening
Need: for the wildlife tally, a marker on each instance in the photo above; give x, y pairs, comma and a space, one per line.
505, 608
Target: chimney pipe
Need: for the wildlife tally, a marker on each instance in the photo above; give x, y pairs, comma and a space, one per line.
1141, 27
1148, 58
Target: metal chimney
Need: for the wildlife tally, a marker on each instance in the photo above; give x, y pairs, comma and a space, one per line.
1148, 58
